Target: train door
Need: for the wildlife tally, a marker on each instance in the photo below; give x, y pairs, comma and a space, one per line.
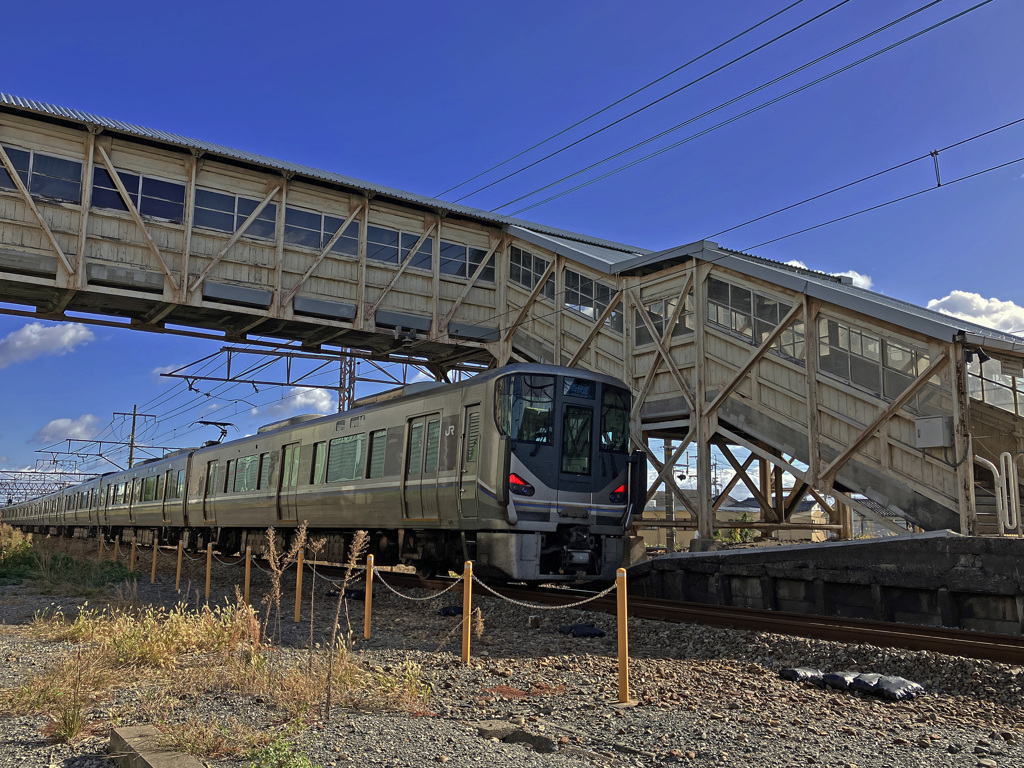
469, 462
419, 493
288, 487
210, 491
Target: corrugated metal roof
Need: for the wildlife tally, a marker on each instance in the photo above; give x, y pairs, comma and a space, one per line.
571, 240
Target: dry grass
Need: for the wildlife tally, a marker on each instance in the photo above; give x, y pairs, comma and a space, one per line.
174, 656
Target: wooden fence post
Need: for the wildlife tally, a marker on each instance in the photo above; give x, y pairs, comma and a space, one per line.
248, 563
131, 561
298, 585
467, 609
620, 588
369, 597
209, 565
156, 550
117, 544
177, 576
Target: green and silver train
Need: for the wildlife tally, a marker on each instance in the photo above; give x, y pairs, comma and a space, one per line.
525, 470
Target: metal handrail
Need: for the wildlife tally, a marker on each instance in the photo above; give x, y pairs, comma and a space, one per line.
1011, 480
1000, 490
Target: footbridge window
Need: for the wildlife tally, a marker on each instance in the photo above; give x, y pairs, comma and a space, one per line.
988, 382
591, 298
526, 269
659, 313
879, 365
753, 316
226, 213
312, 229
45, 176
152, 197
460, 260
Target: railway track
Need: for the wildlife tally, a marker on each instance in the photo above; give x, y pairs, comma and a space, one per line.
1008, 649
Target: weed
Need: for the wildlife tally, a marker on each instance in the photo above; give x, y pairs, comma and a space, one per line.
279, 754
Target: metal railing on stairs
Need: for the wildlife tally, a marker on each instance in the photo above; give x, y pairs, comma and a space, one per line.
1006, 490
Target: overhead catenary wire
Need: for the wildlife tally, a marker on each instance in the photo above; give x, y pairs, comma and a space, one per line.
735, 118
656, 101
615, 103
888, 202
869, 177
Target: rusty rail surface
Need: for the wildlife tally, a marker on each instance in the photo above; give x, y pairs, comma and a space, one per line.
1008, 649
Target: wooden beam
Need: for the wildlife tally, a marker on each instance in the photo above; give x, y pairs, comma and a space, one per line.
811, 308
83, 219
278, 307
661, 341
192, 166
741, 473
234, 238
668, 466
35, 211
446, 320
828, 476
598, 326
130, 204
759, 353
322, 255
732, 482
557, 324
401, 268
529, 302
360, 319
963, 447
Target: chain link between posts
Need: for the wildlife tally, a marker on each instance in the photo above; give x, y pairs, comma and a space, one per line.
535, 607
418, 599
356, 572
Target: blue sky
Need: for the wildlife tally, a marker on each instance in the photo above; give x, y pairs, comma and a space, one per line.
423, 96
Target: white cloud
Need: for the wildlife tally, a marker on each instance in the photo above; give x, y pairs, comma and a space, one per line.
421, 376
299, 400
994, 313
82, 428
35, 340
860, 280
161, 369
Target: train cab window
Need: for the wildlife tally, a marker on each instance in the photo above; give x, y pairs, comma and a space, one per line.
577, 424
345, 458
614, 419
526, 407
378, 447
316, 474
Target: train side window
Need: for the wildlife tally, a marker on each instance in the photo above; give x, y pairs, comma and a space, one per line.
433, 446
245, 473
211, 478
345, 458
472, 436
415, 449
181, 484
316, 475
290, 466
160, 488
264, 478
149, 488
378, 447
229, 476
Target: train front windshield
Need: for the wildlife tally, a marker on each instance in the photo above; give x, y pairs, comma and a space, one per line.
573, 432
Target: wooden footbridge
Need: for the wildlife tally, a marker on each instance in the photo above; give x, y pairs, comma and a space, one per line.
853, 394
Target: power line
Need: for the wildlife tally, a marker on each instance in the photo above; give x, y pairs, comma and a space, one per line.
875, 175
888, 202
657, 101
617, 102
733, 119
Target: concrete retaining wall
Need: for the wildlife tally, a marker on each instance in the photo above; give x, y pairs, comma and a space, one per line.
938, 578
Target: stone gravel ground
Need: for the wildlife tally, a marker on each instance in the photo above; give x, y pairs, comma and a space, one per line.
706, 696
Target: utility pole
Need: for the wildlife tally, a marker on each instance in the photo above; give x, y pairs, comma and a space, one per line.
131, 441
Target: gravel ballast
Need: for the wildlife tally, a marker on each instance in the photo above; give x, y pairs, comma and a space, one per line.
704, 696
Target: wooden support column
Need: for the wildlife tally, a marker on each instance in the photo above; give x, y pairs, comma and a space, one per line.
963, 452
81, 279
811, 308
192, 169
670, 507
435, 281
706, 423
559, 303
277, 307
361, 319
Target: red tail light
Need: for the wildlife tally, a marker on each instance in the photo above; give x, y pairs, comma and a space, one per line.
618, 496
519, 486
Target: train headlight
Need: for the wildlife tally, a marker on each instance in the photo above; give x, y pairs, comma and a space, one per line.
618, 496
517, 485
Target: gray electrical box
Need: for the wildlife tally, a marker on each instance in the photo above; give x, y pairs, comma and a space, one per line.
934, 431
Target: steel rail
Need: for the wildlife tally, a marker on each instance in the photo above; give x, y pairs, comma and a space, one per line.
1008, 649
